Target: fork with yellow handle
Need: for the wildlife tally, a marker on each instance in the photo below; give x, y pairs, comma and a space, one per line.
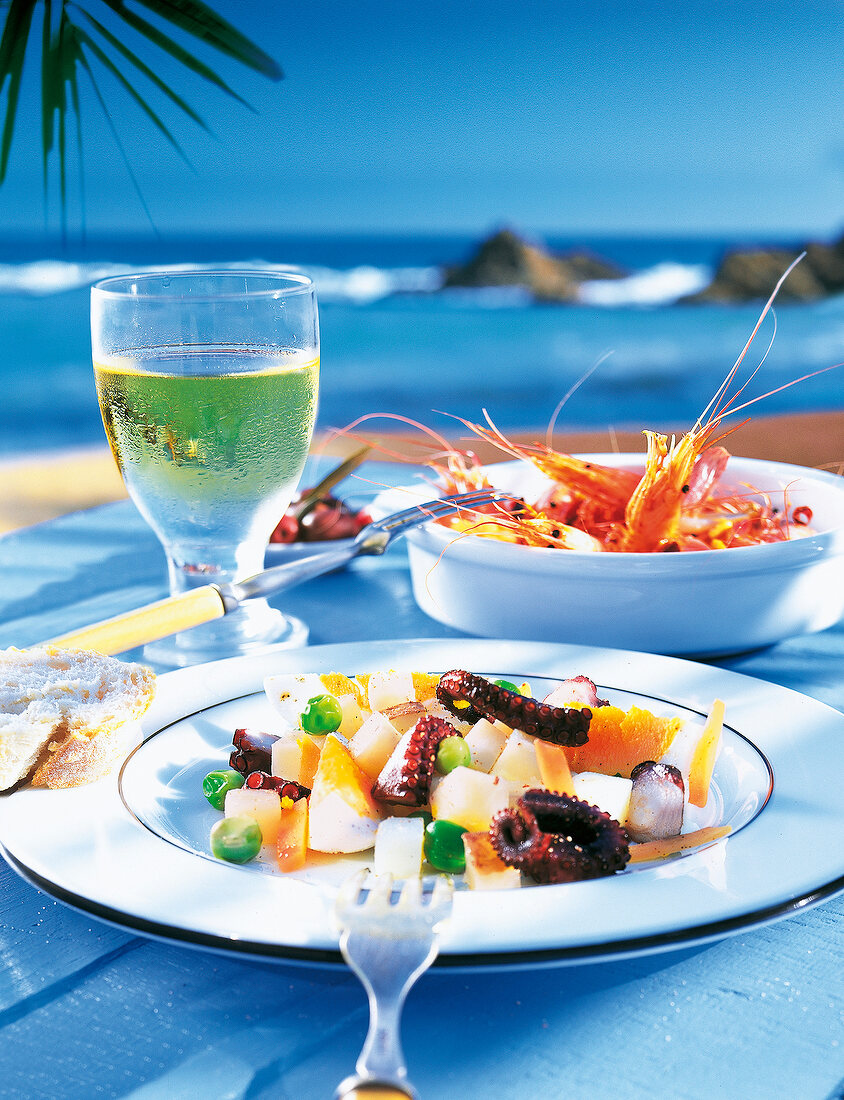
212, 601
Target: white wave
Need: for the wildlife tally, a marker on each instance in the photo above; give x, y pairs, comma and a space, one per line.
370, 284
359, 285
659, 285
42, 277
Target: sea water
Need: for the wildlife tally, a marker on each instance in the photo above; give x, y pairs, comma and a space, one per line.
393, 342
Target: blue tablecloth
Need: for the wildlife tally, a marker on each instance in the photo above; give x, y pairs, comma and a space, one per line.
91, 1010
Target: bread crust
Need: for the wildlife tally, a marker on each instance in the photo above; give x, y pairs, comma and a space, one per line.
75, 706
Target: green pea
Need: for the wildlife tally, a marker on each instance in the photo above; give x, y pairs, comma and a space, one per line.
216, 785
452, 752
323, 714
426, 815
508, 685
237, 839
444, 847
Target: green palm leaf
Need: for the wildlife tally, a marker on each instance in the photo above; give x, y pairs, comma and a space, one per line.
12, 52
67, 47
133, 59
199, 20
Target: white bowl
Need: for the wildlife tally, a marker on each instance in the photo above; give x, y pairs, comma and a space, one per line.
701, 603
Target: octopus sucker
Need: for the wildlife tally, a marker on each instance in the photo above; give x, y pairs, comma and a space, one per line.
406, 777
562, 725
554, 838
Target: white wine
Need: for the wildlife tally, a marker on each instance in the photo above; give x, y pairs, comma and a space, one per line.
210, 441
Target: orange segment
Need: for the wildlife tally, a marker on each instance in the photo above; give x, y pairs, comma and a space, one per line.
424, 686
362, 683
703, 760
554, 767
335, 683
338, 771
311, 751
292, 846
620, 740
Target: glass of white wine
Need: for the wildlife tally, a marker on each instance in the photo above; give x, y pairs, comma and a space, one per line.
207, 382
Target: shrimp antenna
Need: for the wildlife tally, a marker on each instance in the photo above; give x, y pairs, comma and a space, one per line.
715, 404
549, 433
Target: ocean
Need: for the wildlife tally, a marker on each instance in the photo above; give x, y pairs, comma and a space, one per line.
393, 343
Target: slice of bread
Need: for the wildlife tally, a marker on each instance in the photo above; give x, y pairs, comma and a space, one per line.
62, 714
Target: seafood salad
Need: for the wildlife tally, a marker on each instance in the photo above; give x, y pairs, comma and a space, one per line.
461, 774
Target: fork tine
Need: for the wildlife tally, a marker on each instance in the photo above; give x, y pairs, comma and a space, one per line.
380, 893
410, 897
441, 895
433, 509
350, 890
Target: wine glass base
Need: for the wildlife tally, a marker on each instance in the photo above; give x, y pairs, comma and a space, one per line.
252, 629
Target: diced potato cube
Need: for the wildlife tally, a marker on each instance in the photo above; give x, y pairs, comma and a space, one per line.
610, 793
399, 844
373, 744
517, 762
262, 806
295, 755
486, 740
353, 715
485, 869
435, 708
469, 798
386, 689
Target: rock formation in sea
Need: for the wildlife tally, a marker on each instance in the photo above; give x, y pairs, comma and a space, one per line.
506, 259
746, 275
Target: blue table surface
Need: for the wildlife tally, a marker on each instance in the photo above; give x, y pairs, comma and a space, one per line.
87, 1009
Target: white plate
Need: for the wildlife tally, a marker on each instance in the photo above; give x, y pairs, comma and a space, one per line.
142, 863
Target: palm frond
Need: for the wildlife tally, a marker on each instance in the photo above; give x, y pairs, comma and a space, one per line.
12, 52
199, 20
170, 46
69, 32
85, 40
120, 148
133, 59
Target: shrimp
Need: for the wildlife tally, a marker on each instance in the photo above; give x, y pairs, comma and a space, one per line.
668, 507
652, 515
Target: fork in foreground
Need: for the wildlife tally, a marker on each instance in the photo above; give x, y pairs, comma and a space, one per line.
389, 938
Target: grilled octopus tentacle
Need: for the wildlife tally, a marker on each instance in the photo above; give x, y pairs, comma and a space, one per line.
406, 778
562, 725
555, 838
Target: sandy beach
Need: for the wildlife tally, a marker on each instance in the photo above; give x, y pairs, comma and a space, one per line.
43, 486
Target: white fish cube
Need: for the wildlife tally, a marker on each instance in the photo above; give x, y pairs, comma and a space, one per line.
486, 740
610, 793
399, 844
388, 689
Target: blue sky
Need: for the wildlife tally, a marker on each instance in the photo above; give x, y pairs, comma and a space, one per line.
454, 115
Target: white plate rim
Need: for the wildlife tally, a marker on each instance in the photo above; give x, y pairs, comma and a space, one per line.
790, 856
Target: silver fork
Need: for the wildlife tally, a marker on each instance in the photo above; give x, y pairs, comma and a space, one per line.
213, 601
389, 937
372, 539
